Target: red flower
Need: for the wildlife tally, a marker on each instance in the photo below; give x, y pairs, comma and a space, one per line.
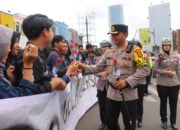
72, 59
75, 52
114, 61
72, 46
59, 60
76, 43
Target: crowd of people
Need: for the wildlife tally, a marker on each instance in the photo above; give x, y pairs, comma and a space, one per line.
124, 70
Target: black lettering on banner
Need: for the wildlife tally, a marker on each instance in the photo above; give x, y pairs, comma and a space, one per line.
77, 90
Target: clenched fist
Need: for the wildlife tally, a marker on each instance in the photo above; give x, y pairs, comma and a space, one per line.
30, 54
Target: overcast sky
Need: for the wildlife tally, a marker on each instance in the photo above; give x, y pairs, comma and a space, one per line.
135, 12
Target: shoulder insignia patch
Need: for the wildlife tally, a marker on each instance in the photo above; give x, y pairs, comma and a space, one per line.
138, 52
110, 54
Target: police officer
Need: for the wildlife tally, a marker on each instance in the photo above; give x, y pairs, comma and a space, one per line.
141, 90
168, 69
102, 85
123, 77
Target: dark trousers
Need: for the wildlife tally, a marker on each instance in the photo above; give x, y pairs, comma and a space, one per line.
141, 89
113, 109
165, 93
101, 95
148, 80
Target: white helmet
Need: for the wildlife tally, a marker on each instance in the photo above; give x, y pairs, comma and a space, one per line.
105, 43
166, 41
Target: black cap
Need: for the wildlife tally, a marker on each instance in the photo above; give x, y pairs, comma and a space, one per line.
116, 28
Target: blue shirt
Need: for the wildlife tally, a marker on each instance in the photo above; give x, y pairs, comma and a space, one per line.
25, 88
56, 70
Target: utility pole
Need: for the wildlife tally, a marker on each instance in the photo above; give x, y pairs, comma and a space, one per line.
87, 35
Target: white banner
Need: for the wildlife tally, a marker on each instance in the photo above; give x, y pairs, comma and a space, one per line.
52, 111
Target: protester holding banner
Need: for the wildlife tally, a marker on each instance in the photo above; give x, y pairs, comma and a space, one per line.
26, 86
122, 62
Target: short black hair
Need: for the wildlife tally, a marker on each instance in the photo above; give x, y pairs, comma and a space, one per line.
57, 39
92, 52
79, 46
33, 25
15, 37
89, 46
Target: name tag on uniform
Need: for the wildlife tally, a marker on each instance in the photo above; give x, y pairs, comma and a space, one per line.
113, 78
118, 72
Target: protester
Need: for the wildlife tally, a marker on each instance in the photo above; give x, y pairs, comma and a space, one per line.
89, 48
11, 59
57, 61
91, 60
81, 55
26, 86
39, 31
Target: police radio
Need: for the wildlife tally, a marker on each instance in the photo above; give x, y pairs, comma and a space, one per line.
130, 44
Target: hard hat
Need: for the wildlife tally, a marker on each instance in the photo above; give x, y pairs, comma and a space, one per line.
166, 41
105, 43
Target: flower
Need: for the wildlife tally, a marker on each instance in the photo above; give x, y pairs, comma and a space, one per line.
71, 59
75, 43
115, 62
72, 46
59, 60
75, 52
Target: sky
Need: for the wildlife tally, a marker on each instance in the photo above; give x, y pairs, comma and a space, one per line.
135, 12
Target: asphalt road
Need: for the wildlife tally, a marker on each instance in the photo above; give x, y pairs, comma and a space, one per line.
151, 121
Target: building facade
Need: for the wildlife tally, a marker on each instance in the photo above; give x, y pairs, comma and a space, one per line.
115, 13
160, 25
176, 40
6, 19
62, 29
73, 35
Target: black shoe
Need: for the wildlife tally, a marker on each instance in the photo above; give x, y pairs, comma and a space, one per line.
164, 125
174, 127
145, 94
102, 127
139, 124
149, 93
